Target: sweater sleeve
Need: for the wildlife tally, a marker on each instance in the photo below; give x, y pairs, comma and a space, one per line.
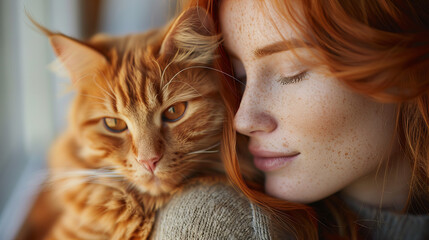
211, 212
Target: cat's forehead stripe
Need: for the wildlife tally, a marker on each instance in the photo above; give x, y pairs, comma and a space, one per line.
137, 81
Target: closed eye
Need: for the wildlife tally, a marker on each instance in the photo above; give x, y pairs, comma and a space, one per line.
293, 79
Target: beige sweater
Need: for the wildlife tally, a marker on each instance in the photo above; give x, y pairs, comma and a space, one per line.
219, 212
212, 212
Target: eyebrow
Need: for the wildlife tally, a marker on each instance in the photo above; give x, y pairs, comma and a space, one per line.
278, 47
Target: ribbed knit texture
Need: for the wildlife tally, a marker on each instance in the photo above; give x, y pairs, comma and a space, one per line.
211, 212
383, 224
219, 212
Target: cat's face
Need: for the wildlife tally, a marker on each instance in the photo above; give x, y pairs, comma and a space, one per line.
143, 110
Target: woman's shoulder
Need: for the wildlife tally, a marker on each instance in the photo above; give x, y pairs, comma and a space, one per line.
212, 212
379, 223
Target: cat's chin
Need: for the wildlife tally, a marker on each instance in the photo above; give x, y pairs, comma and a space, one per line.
155, 186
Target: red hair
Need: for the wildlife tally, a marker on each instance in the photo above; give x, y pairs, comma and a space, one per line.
379, 48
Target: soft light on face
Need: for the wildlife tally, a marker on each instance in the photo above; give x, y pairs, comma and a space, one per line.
309, 134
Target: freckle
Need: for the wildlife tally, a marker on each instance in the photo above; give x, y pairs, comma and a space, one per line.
346, 154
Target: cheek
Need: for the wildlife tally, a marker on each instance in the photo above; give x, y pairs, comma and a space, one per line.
319, 110
329, 115
342, 136
104, 150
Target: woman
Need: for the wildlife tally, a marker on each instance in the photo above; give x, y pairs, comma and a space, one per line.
336, 110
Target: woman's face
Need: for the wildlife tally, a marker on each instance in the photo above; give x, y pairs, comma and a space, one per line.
309, 134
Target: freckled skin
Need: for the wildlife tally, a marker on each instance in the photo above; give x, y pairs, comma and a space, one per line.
342, 137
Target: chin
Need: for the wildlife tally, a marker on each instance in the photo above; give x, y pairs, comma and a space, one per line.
155, 186
291, 192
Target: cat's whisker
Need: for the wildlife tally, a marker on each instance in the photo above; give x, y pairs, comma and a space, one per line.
91, 96
106, 183
200, 160
174, 76
83, 76
162, 75
205, 150
78, 181
159, 68
195, 159
102, 89
104, 176
82, 170
64, 186
223, 72
163, 72
67, 179
57, 175
199, 94
199, 152
98, 102
205, 67
72, 184
108, 83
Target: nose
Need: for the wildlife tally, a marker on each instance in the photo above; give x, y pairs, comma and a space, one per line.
253, 115
150, 163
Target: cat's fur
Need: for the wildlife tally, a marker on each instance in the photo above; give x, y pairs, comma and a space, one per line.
101, 187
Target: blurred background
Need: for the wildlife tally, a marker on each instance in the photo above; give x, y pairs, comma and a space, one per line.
33, 101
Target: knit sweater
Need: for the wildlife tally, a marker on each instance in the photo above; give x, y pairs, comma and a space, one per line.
211, 212
384, 224
219, 212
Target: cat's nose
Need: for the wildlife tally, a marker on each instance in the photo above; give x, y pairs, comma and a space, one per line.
150, 163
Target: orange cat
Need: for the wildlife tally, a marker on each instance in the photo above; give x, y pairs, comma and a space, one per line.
146, 120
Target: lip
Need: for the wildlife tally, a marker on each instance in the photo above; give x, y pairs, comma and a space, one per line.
267, 161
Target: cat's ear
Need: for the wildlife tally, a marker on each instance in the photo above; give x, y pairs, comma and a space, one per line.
191, 38
78, 58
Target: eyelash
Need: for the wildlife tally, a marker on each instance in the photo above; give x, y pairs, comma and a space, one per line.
293, 79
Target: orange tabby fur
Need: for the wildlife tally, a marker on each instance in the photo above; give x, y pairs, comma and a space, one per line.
101, 189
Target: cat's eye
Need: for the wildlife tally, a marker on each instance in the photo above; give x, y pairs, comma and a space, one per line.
174, 112
115, 125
